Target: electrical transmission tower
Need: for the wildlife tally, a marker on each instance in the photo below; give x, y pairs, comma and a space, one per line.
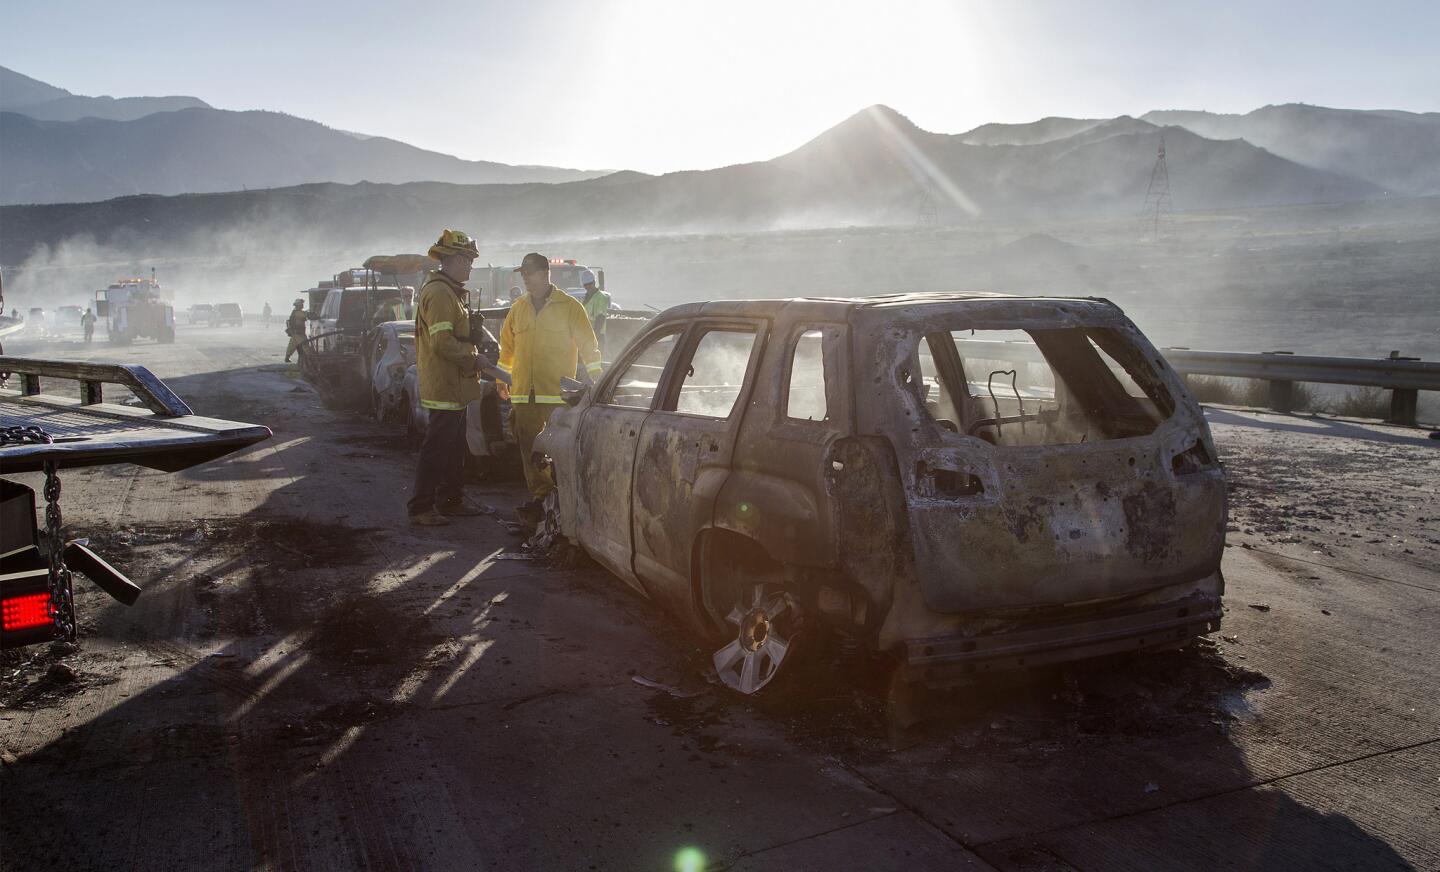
1157, 196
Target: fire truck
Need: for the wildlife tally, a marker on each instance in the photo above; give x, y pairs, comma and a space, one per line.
136, 309
490, 286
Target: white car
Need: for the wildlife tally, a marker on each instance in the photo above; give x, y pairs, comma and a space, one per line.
391, 353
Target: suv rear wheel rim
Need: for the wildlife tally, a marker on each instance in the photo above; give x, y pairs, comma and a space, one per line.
763, 636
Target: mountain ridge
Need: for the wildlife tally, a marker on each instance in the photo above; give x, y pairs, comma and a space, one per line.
873, 168
61, 147
46, 102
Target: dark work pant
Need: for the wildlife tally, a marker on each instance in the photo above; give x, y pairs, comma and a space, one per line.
440, 471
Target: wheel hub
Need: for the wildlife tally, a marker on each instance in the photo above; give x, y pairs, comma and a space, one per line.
754, 630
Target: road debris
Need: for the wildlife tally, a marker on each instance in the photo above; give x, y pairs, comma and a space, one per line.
1260, 607
60, 673
670, 689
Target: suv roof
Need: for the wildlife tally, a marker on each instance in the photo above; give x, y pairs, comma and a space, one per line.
835, 308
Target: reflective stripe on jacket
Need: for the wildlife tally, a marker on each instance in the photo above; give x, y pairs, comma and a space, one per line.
446, 360
536, 351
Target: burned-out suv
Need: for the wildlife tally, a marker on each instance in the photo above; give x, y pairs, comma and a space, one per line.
972, 482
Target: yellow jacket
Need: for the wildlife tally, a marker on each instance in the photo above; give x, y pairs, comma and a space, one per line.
443, 354
536, 351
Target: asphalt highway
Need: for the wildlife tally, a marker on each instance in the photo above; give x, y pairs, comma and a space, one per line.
309, 683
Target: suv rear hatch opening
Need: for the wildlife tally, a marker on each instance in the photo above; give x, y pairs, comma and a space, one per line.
1048, 461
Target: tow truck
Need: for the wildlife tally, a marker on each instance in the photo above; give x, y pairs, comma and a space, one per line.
49, 433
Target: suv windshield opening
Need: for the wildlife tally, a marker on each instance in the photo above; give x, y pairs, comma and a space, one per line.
1040, 387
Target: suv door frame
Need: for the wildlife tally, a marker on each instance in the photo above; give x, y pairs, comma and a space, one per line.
603, 465
697, 452
786, 464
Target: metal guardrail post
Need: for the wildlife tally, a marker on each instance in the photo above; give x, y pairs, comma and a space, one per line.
1403, 407
1282, 396
1282, 392
1403, 402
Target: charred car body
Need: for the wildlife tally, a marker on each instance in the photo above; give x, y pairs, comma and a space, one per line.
904, 470
391, 354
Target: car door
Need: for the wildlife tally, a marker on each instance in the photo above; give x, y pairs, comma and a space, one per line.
321, 328
605, 452
685, 449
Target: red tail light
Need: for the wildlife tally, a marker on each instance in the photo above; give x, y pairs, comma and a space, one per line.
25, 612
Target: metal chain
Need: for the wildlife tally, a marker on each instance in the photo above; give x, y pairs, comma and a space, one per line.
24, 436
62, 600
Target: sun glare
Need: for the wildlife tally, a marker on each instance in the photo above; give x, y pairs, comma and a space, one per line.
760, 79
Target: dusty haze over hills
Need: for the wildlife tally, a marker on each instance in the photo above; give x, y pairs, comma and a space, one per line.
874, 168
1281, 216
62, 148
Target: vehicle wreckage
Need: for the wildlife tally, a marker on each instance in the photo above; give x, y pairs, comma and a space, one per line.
48, 433
969, 482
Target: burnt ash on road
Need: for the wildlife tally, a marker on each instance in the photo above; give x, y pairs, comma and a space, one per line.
309, 683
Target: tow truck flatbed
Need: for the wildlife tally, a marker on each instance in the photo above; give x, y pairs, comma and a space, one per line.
47, 433
161, 434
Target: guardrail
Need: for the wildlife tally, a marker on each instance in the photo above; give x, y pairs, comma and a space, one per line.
1403, 376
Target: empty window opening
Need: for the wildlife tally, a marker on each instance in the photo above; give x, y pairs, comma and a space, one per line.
635, 387
716, 372
1040, 387
805, 399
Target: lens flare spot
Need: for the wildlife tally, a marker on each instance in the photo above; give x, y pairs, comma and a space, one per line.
689, 860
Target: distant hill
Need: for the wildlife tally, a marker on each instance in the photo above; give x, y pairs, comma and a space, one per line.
58, 147
873, 168
1030, 133
202, 150
20, 93
878, 158
1399, 151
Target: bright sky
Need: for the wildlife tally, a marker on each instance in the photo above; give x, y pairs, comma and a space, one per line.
660, 85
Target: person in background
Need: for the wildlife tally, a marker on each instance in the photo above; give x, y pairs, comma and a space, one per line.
295, 329
448, 365
265, 315
545, 332
514, 295
87, 323
597, 306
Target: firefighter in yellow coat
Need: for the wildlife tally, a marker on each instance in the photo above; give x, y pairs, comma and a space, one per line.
448, 366
545, 333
